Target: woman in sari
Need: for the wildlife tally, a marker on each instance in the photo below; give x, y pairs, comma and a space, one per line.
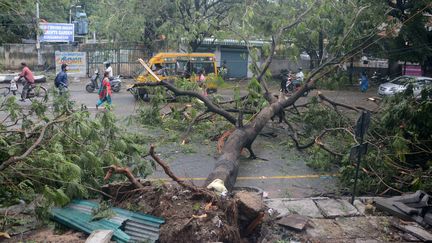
104, 91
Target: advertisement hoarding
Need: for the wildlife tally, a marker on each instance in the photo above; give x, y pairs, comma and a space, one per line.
76, 61
56, 32
413, 70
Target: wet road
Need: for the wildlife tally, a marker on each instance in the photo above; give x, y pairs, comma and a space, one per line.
281, 172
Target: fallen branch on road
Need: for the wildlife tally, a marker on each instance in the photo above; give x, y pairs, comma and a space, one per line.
123, 170
169, 173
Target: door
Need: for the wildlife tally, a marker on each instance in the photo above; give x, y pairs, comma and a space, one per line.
236, 62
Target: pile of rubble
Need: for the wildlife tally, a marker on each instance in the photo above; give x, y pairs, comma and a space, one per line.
323, 219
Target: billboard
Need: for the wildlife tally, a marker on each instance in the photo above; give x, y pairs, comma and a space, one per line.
56, 32
76, 61
413, 70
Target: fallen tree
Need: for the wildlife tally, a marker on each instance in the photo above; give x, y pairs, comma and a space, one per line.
243, 136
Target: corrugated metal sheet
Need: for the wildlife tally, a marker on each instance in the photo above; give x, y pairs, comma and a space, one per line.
127, 226
232, 42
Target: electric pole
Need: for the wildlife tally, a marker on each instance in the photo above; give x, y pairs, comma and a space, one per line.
39, 54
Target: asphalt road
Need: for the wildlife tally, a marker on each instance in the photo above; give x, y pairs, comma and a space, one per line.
279, 172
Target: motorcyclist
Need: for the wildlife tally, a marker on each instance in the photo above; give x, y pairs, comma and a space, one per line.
28, 80
300, 76
108, 69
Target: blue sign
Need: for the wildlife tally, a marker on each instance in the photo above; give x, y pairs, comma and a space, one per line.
56, 32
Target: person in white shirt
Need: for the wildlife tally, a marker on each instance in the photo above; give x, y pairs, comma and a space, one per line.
300, 76
108, 69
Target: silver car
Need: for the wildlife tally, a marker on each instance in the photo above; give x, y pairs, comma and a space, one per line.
400, 84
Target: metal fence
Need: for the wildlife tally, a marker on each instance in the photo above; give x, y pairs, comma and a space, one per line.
123, 57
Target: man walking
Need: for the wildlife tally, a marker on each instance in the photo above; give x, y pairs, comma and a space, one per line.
61, 80
28, 80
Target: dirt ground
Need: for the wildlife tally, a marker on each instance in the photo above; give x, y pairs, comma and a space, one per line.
48, 235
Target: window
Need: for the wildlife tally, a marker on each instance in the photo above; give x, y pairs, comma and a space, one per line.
403, 80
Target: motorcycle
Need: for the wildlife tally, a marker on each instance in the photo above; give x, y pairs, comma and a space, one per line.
377, 78
95, 80
292, 86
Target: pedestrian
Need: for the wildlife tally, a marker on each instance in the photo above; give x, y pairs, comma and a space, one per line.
28, 80
61, 81
364, 82
224, 70
104, 91
202, 82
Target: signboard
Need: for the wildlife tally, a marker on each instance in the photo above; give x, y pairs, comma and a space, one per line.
414, 70
76, 61
56, 32
372, 63
362, 124
354, 152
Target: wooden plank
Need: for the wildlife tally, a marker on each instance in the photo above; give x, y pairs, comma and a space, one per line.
148, 69
100, 236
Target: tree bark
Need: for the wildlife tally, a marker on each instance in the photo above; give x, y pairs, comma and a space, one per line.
226, 167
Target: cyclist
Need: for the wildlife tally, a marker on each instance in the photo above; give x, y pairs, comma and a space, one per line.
28, 80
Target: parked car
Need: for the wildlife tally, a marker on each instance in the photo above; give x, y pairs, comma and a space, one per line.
401, 83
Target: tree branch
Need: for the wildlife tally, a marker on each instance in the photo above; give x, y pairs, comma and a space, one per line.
123, 170
168, 171
15, 159
210, 106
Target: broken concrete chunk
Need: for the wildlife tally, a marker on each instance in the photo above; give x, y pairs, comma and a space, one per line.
360, 206
410, 238
294, 222
278, 206
100, 236
332, 208
366, 241
304, 207
386, 205
428, 217
415, 230
324, 230
418, 232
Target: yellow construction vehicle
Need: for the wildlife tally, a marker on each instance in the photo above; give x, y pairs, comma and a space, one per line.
169, 66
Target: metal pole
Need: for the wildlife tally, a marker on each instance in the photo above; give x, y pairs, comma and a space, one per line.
358, 158
39, 54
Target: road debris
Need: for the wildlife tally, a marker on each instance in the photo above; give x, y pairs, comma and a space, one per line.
412, 207
414, 230
202, 216
126, 225
218, 186
100, 236
294, 222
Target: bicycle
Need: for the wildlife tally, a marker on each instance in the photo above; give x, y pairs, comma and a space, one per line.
35, 92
